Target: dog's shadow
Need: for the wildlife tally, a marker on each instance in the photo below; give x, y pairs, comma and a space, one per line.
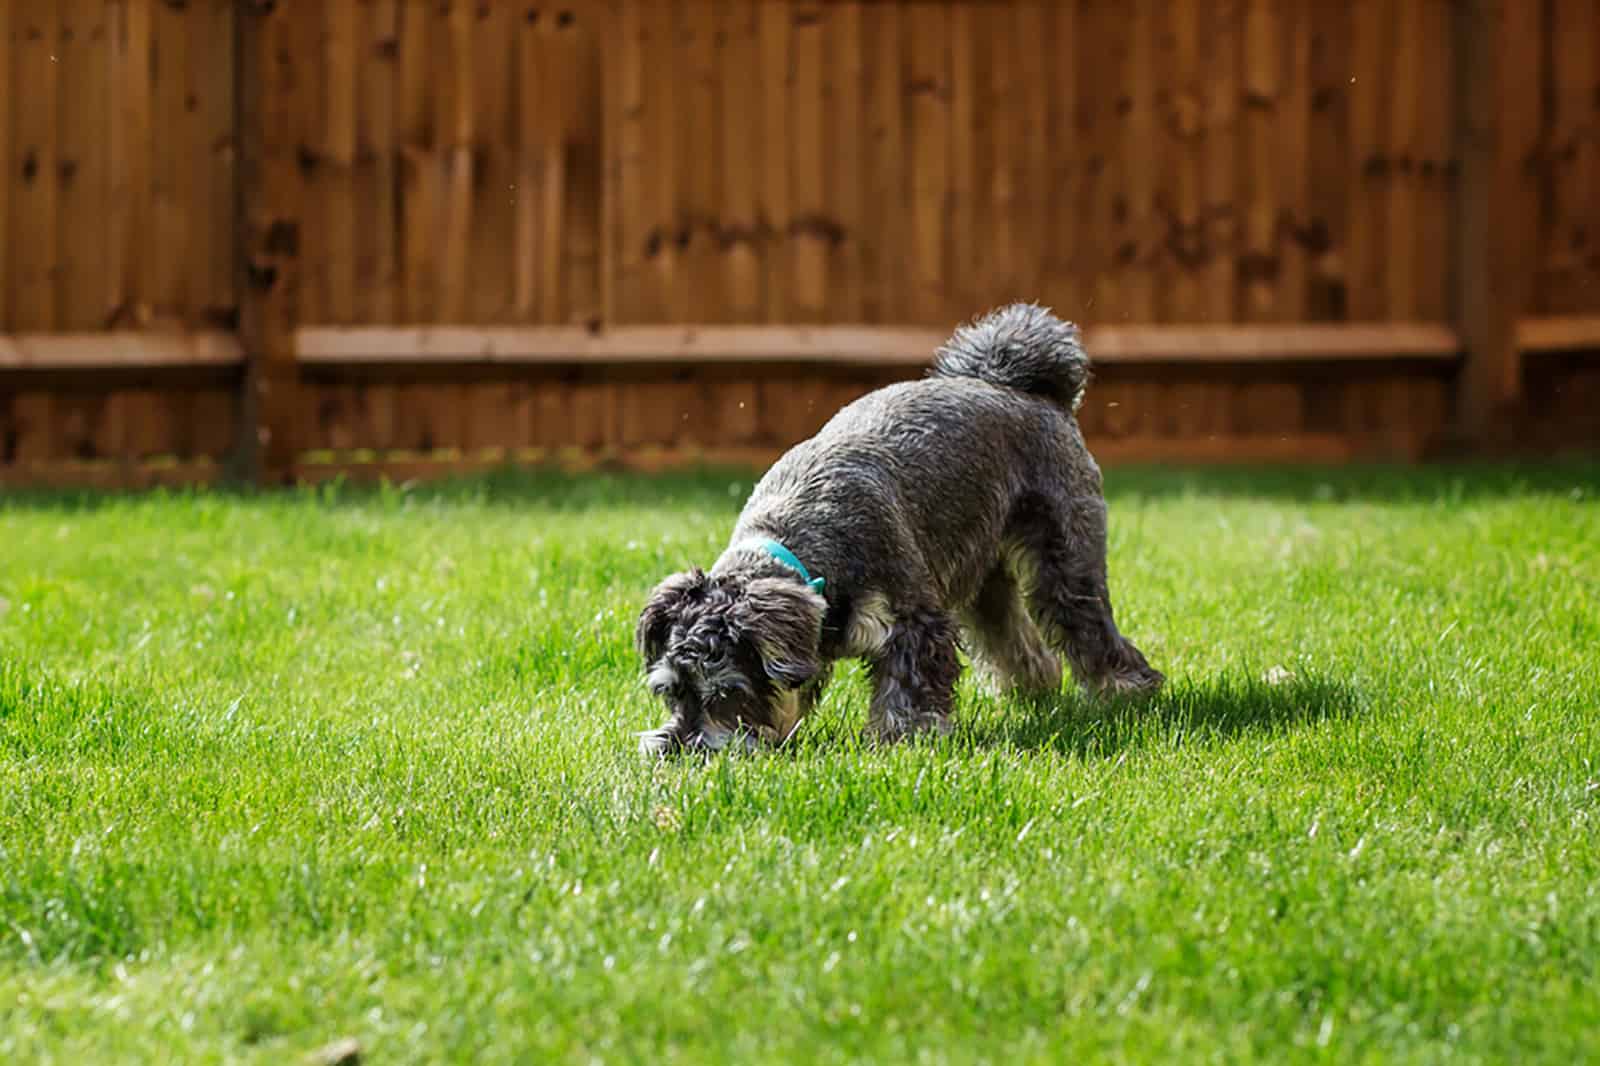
1183, 712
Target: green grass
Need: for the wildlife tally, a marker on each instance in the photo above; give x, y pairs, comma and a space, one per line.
279, 770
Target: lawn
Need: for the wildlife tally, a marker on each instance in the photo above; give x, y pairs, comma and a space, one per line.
285, 769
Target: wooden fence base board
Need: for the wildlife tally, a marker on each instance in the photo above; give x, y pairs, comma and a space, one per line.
110, 476
1299, 448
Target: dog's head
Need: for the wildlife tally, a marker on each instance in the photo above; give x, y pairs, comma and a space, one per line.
728, 655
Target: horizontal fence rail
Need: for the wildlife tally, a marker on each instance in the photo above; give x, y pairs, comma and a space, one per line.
119, 350
871, 346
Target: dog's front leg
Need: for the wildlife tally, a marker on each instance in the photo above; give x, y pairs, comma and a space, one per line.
914, 676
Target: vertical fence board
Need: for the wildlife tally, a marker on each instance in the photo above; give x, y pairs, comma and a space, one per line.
128, 152
775, 152
740, 153
82, 53
427, 131
645, 413
1499, 45
214, 412
306, 79
6, 167
647, 225
1136, 252
456, 118
701, 194
573, 168
557, 80
1182, 141
729, 406
1571, 244
1102, 48
129, 227
490, 410
1031, 203
36, 174
271, 195
377, 188
1433, 166
927, 86
882, 261
173, 192
992, 256
83, 58
632, 220
606, 21
1260, 268
1063, 283
418, 165
36, 426
809, 227
1190, 404
1293, 119
1401, 104
535, 115
338, 154
1223, 214
214, 299
580, 237
1170, 184
649, 412
842, 120
663, 238
579, 40
1366, 177
1329, 197
494, 200
1328, 153
30, 436
964, 246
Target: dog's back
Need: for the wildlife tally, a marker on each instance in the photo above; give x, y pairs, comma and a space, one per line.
995, 408
935, 469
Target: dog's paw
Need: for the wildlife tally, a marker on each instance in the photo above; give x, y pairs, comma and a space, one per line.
659, 743
1129, 674
910, 727
1143, 681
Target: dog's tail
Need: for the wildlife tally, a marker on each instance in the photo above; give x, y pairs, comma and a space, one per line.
1022, 346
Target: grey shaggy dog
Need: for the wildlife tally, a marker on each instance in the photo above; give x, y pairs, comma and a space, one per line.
961, 505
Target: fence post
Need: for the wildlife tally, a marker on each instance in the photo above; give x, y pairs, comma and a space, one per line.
1498, 120
267, 216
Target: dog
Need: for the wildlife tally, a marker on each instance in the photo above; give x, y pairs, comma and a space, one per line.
962, 510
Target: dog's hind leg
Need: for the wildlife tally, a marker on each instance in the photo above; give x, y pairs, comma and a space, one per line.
1005, 643
914, 675
1065, 540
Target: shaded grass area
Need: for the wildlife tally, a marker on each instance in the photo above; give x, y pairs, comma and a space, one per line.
280, 769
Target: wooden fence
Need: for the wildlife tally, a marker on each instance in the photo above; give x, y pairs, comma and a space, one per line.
397, 236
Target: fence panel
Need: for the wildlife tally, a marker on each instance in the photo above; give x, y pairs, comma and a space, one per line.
608, 166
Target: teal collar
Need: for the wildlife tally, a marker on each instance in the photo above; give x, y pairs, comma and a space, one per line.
789, 559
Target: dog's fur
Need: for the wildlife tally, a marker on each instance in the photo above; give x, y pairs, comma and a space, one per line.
964, 503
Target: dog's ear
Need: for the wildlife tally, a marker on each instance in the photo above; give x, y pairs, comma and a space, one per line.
783, 618
668, 599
